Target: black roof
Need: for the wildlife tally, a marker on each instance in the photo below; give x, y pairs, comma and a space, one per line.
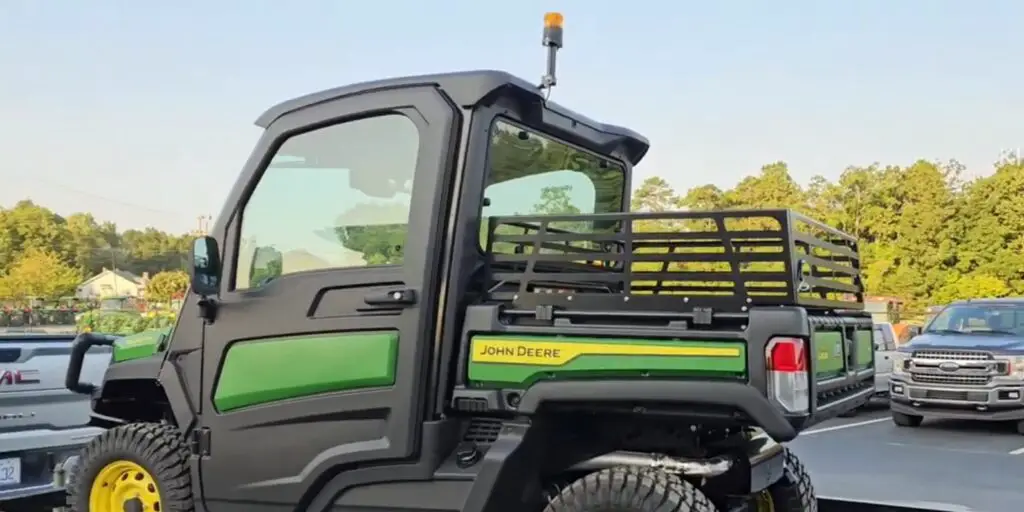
468, 89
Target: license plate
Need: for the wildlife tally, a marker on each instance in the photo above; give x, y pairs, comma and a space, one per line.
10, 471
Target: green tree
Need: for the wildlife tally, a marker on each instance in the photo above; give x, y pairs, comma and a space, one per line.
655, 195
166, 285
40, 273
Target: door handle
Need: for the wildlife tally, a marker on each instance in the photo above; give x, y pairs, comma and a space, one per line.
401, 297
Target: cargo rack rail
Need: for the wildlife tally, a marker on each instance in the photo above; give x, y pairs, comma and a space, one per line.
727, 260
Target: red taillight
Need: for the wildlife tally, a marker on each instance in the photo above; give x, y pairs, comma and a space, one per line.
788, 355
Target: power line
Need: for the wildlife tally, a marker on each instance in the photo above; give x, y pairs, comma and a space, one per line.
57, 184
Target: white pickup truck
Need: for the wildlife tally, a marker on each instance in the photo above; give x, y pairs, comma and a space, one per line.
42, 424
885, 345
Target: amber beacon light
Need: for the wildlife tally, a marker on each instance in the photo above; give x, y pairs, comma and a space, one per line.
552, 41
553, 20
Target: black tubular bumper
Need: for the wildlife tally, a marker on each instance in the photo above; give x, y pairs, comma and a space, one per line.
736, 395
83, 342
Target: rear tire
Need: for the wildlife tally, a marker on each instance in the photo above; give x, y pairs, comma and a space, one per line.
150, 460
906, 420
626, 489
793, 492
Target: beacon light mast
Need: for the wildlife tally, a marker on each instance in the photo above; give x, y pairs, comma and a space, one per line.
552, 40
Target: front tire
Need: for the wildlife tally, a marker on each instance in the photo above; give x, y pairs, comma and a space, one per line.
625, 489
142, 463
906, 420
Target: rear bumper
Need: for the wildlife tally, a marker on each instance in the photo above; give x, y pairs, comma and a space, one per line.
30, 440
44, 475
46, 457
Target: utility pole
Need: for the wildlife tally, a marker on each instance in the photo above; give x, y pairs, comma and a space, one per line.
203, 225
113, 268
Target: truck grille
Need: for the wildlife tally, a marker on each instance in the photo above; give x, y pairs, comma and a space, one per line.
955, 355
953, 367
955, 380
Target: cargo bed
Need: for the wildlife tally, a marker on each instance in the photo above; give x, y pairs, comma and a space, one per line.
642, 309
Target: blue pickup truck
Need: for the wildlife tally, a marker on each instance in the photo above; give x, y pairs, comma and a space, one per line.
968, 363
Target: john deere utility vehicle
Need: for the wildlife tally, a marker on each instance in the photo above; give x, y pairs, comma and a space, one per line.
425, 293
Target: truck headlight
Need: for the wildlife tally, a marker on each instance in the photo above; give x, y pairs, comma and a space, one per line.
899, 361
1017, 367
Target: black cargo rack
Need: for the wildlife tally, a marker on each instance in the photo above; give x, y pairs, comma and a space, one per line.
727, 260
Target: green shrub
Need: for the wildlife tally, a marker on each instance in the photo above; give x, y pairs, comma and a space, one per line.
123, 323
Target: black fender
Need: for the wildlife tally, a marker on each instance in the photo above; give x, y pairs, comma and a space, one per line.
732, 394
153, 379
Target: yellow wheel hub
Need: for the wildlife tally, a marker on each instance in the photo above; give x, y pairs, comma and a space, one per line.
124, 486
763, 502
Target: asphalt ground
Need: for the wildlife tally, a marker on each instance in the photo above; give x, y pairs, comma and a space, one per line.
967, 466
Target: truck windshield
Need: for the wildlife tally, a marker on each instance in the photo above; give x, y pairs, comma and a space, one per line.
532, 174
980, 319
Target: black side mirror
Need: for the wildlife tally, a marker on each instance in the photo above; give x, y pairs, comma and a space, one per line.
205, 268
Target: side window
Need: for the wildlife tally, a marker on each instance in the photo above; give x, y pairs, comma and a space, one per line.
336, 197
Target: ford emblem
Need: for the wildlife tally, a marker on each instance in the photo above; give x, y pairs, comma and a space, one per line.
949, 366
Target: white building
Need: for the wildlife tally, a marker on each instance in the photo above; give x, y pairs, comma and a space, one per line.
113, 283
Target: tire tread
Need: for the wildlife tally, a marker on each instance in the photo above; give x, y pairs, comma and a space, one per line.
159, 448
630, 489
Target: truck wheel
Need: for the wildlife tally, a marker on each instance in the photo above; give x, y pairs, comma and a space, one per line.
1020, 427
139, 466
625, 489
906, 420
851, 413
792, 493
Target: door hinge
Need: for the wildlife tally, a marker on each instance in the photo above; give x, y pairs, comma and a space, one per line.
200, 444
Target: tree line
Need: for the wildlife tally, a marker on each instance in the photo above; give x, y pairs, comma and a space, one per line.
926, 234
43, 254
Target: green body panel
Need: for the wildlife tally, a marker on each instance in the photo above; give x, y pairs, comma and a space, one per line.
257, 372
143, 344
828, 352
865, 344
579, 357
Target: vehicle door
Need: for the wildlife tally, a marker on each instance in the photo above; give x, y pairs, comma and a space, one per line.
885, 344
318, 352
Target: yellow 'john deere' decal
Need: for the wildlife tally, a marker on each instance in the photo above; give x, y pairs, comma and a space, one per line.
551, 353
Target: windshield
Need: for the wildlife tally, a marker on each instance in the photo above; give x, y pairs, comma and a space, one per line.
980, 319
529, 173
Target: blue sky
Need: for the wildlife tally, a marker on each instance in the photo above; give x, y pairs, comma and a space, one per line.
141, 112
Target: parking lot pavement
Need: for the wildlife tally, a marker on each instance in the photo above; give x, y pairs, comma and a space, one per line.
973, 465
